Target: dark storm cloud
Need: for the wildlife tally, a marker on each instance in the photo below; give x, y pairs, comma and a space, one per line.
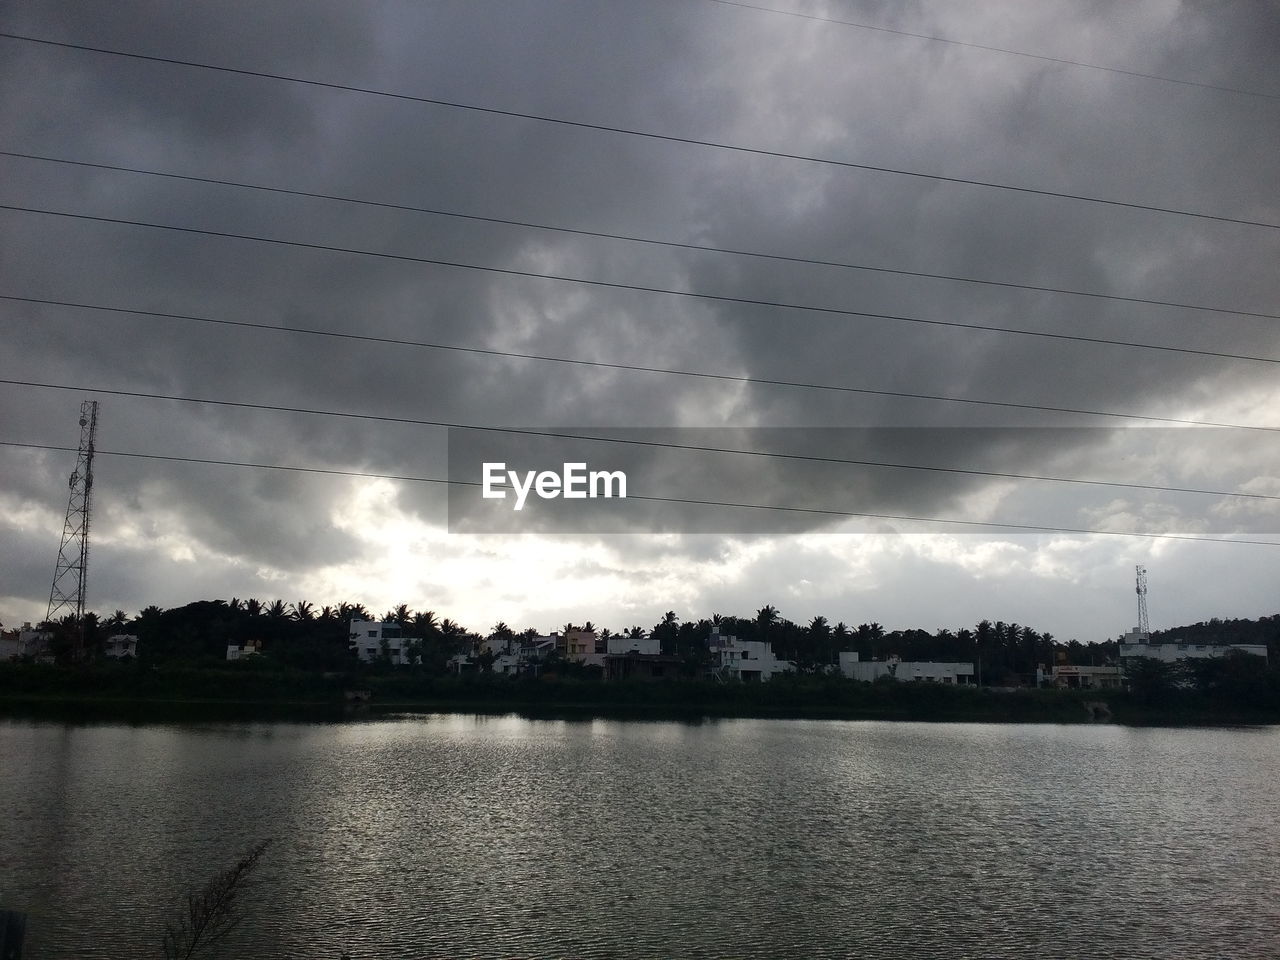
699, 69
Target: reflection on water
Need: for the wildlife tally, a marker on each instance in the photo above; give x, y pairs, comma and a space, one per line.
452, 835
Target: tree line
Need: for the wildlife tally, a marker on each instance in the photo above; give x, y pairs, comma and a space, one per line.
302, 635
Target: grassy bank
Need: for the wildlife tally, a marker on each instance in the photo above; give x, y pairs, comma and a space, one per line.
133, 692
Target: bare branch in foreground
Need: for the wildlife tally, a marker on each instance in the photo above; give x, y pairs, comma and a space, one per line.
211, 913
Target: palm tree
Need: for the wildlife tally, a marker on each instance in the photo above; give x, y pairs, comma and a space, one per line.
820, 639
401, 614
875, 633
89, 630
117, 621
253, 607
276, 610
766, 617
303, 611
502, 634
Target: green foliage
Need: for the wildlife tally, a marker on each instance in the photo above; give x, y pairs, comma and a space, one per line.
182, 655
1153, 682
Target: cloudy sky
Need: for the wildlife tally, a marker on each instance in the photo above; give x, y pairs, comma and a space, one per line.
760, 128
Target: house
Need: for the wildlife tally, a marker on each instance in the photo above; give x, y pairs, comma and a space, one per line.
251, 648
462, 663
639, 658
579, 642
27, 642
642, 666
621, 645
581, 646
512, 656
746, 660
507, 664
121, 645
538, 647
917, 671
371, 640
1080, 677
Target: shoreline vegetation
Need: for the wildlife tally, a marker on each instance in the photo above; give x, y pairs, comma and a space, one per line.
128, 692
294, 661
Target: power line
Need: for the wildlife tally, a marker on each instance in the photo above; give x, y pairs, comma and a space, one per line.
641, 288
632, 367
627, 131
673, 244
649, 444
1005, 50
1028, 528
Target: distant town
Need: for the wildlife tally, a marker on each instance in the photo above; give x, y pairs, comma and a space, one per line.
256, 651
721, 649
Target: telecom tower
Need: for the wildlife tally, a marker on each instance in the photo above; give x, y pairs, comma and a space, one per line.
67, 593
1144, 625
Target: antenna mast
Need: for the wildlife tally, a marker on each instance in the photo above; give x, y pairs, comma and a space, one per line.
1144, 625
67, 593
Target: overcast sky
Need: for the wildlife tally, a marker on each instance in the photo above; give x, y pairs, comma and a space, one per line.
168, 533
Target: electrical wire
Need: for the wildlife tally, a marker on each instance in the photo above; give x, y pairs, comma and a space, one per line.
651, 241
641, 288
1021, 527
648, 444
1062, 61
629, 367
650, 135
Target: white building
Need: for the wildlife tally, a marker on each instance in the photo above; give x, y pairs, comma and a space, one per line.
369, 640
27, 642
237, 652
649, 646
1080, 677
121, 645
918, 671
497, 646
518, 655
747, 660
1135, 643
539, 647
506, 664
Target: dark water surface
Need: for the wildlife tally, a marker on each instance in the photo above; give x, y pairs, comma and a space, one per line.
464, 836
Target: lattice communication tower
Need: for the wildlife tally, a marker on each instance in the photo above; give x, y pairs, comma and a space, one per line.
66, 596
1144, 625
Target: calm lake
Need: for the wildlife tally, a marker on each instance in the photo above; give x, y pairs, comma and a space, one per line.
466, 836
